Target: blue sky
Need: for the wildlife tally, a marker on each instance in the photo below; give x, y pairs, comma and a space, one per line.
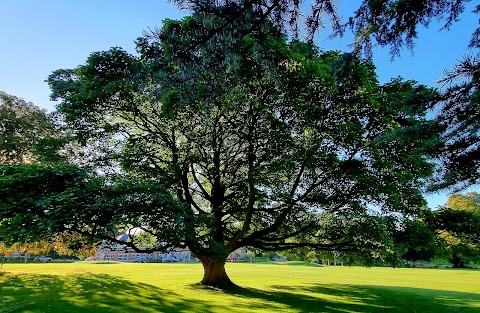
38, 37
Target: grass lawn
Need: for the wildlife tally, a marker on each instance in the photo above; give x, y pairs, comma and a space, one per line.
127, 287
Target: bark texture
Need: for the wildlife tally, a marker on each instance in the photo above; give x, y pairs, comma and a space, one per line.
214, 274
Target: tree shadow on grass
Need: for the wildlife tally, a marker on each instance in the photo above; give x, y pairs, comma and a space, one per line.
359, 298
88, 293
105, 293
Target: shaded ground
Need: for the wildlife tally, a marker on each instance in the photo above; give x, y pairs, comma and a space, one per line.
88, 293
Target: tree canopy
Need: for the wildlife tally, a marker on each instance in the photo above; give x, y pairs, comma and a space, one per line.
270, 146
388, 23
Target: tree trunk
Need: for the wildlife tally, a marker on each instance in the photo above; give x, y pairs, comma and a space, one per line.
214, 274
457, 262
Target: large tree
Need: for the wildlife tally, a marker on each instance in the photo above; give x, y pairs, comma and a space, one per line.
273, 145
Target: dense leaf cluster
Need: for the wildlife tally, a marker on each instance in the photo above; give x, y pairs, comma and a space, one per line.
458, 228
387, 23
42, 201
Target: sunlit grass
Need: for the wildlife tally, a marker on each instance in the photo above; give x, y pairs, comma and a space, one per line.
127, 287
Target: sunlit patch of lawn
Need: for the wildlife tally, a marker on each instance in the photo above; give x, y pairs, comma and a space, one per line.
126, 287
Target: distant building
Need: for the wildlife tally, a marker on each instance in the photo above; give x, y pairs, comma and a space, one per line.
125, 254
120, 252
239, 254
